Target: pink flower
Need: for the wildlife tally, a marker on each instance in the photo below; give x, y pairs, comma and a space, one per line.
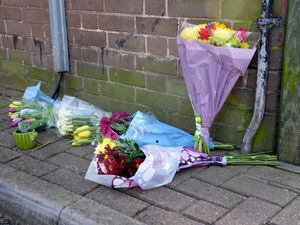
241, 35
15, 122
12, 110
106, 130
121, 115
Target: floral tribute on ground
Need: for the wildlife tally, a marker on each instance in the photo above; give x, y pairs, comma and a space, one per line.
122, 163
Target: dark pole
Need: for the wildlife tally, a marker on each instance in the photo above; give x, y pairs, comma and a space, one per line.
266, 22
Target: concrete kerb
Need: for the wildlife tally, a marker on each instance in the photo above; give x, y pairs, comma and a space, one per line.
37, 202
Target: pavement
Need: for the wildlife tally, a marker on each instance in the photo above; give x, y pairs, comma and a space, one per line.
47, 186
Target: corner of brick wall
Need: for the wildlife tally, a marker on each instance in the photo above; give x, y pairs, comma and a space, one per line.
123, 56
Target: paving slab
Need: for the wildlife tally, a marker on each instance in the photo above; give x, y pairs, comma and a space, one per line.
117, 200
10, 130
70, 162
32, 166
6, 140
50, 150
90, 157
289, 215
205, 211
89, 212
277, 176
3, 114
210, 193
71, 181
216, 175
164, 197
260, 189
8, 155
250, 212
81, 151
4, 125
49, 135
157, 216
9, 93
3, 101
184, 175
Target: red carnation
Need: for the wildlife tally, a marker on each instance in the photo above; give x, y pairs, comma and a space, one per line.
205, 33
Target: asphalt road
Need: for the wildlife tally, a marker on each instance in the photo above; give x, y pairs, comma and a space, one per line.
5, 220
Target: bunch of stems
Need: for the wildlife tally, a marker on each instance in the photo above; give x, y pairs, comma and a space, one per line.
263, 158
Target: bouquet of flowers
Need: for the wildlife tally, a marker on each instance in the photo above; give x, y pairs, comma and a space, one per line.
217, 34
213, 57
29, 115
78, 118
118, 157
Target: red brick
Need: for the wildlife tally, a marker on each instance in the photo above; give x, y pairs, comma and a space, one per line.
89, 21
126, 7
272, 103
155, 7
277, 37
173, 50
116, 23
89, 55
33, 45
90, 5
251, 79
194, 8
22, 29
73, 20
36, 16
39, 60
19, 56
37, 31
47, 47
37, 3
89, 38
16, 3
126, 42
274, 81
157, 45
13, 42
75, 52
2, 27
8, 13
118, 59
156, 26
49, 62
47, 33
276, 56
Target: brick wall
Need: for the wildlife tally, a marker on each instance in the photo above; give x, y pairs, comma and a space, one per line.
123, 56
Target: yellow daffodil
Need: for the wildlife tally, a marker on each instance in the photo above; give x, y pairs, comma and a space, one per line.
190, 33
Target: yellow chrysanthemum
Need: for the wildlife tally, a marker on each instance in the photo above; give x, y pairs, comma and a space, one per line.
106, 142
223, 34
190, 33
219, 25
202, 25
245, 45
